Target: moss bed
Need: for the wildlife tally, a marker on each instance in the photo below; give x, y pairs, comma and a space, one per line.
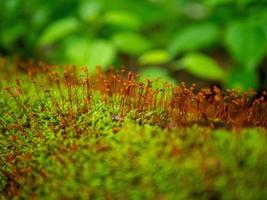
66, 137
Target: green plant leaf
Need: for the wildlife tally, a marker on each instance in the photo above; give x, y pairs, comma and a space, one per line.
77, 50
89, 10
194, 37
155, 57
83, 51
242, 78
122, 19
102, 53
131, 43
247, 43
202, 66
158, 74
58, 30
154, 72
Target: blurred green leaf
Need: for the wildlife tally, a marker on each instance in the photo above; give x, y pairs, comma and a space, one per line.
259, 17
158, 74
77, 50
11, 8
242, 78
40, 17
102, 53
202, 66
154, 72
131, 43
83, 51
89, 10
247, 43
155, 57
58, 30
194, 37
122, 19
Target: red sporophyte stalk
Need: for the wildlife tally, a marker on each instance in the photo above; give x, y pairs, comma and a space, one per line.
172, 105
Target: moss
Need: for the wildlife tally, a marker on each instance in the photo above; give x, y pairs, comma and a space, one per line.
67, 142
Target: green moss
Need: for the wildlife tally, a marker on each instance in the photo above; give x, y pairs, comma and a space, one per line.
138, 162
103, 155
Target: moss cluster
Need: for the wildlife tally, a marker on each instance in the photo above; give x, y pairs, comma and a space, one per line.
62, 141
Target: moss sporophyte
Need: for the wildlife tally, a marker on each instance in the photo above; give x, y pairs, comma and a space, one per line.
66, 134
70, 94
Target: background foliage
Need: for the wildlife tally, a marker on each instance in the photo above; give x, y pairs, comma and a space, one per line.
204, 41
